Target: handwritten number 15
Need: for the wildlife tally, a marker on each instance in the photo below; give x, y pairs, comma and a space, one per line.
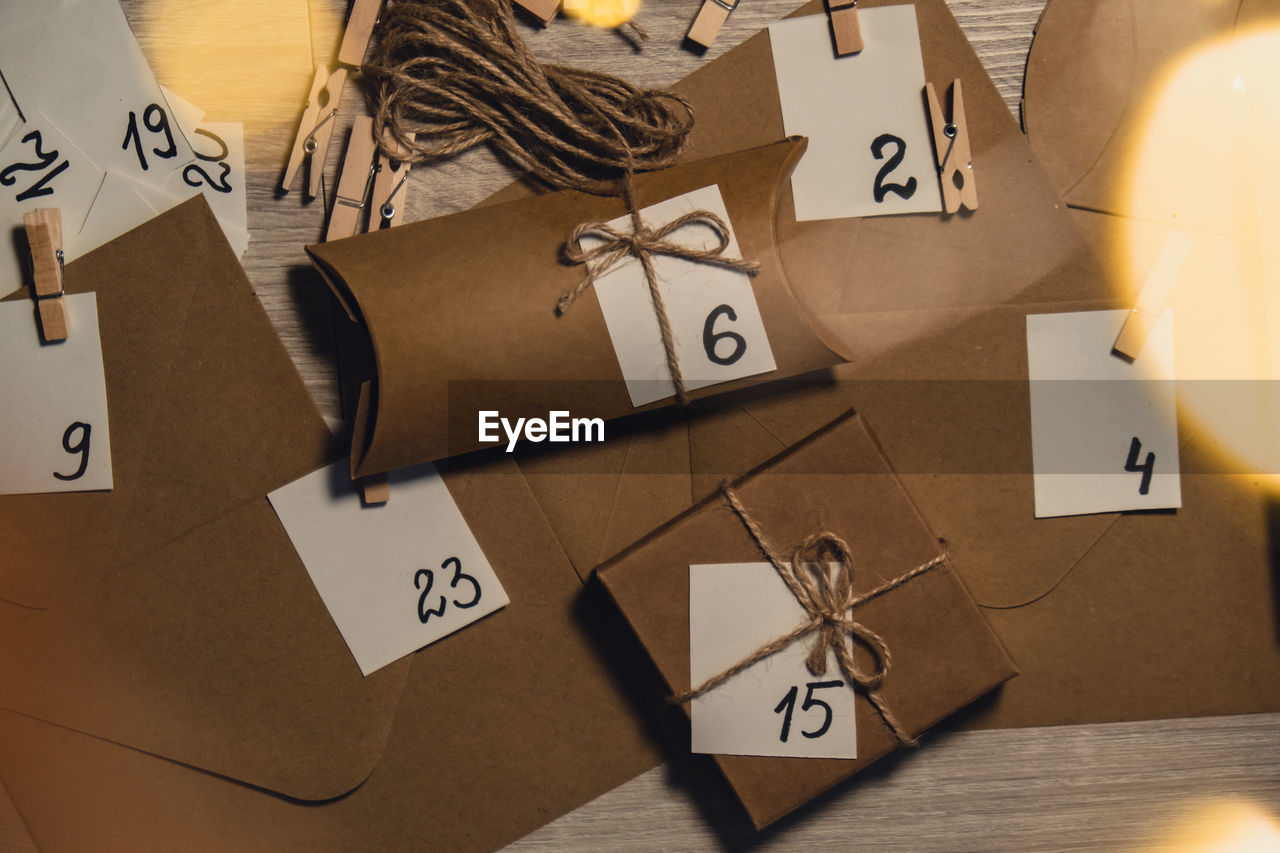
155, 120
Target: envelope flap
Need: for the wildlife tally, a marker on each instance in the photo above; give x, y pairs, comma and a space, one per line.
463, 308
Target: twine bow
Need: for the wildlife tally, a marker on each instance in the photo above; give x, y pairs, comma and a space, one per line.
826, 594
642, 243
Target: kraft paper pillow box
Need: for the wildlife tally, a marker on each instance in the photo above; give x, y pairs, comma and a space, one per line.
944, 655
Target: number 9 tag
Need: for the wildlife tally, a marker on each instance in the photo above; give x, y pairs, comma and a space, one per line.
715, 320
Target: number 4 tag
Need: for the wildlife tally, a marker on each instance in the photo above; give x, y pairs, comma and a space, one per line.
715, 320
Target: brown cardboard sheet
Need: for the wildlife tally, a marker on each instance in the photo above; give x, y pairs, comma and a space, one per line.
944, 654
203, 658
502, 727
171, 613
934, 310
461, 310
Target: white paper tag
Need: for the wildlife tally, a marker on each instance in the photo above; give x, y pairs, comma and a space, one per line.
715, 320
869, 151
395, 577
54, 435
776, 707
42, 168
78, 62
218, 173
1104, 431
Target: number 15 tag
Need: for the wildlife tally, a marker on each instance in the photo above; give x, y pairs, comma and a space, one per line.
719, 334
776, 707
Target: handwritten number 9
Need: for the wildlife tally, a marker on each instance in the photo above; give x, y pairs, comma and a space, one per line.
787, 708
459, 576
882, 189
155, 120
81, 446
710, 338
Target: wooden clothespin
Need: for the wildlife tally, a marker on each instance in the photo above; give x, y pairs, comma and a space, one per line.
353, 181
1161, 278
316, 127
711, 18
389, 189
44, 235
843, 15
951, 151
543, 10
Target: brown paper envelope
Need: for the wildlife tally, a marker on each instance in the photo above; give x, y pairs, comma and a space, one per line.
461, 310
502, 727
171, 613
944, 654
1090, 74
944, 386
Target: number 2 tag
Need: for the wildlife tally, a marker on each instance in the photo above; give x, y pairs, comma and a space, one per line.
396, 577
776, 707
715, 320
54, 435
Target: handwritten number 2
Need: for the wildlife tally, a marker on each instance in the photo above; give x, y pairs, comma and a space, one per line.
44, 160
459, 576
81, 446
710, 337
1131, 465
882, 189
156, 121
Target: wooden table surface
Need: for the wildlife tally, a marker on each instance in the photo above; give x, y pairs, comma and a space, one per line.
1139, 785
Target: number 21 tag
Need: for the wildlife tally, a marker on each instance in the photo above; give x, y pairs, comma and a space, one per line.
715, 320
776, 707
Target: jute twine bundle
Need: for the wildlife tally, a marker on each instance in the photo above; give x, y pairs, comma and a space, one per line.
449, 75
826, 594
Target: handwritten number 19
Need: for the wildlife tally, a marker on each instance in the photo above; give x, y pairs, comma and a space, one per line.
1148, 465
882, 189
80, 446
787, 708
710, 338
155, 120
425, 612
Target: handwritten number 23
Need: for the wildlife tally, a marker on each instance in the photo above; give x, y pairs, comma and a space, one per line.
882, 189
425, 612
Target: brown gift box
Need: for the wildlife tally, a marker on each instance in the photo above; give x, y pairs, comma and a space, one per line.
944, 655
461, 314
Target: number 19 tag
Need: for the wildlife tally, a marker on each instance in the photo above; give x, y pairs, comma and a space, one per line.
776, 707
715, 320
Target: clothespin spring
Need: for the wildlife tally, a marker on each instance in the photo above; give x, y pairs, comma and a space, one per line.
309, 144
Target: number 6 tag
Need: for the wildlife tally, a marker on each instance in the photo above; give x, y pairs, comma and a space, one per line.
715, 320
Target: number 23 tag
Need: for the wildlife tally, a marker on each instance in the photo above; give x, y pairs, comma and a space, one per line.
776, 707
715, 320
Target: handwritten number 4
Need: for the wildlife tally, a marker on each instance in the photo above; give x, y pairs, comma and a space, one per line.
787, 708
425, 612
1131, 465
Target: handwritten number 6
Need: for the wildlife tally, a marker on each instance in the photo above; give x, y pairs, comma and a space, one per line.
81, 447
882, 189
425, 613
710, 337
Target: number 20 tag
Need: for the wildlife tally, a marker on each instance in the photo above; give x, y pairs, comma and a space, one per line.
715, 320
776, 707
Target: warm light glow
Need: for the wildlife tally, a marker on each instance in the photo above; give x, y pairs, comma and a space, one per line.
602, 13
1207, 163
239, 60
1230, 826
